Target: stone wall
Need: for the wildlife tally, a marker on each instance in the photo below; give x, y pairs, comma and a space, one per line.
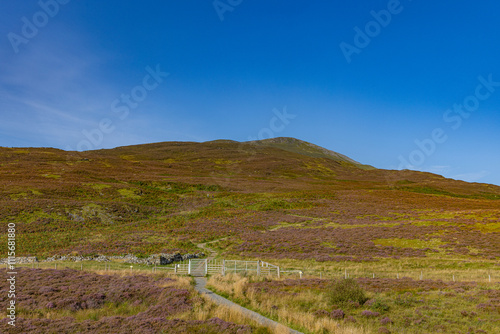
154, 259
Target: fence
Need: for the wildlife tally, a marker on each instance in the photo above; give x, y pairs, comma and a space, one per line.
197, 267
211, 267
479, 276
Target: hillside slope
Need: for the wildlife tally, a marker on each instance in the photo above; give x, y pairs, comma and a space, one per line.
170, 196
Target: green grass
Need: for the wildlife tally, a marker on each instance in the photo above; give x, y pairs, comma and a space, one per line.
435, 191
129, 193
97, 186
52, 176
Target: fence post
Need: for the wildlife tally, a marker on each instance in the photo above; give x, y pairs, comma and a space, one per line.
300, 273
258, 267
278, 272
223, 267
189, 267
206, 267
346, 273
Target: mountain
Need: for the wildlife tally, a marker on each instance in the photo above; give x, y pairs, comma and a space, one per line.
165, 197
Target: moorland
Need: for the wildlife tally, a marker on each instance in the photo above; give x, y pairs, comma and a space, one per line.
423, 249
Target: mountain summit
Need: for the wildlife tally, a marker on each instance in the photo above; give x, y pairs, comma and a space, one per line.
302, 147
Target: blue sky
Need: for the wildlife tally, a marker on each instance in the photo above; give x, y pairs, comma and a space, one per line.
374, 80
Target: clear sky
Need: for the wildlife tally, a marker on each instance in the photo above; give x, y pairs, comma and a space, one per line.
409, 84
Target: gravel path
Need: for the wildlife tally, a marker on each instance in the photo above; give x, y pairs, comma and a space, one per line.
201, 282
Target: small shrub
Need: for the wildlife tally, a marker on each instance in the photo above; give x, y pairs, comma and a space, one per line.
337, 314
384, 330
344, 291
485, 307
370, 314
321, 313
385, 321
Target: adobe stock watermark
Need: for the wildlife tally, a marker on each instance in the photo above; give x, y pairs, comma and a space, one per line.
11, 274
30, 28
121, 107
277, 124
454, 116
363, 37
223, 6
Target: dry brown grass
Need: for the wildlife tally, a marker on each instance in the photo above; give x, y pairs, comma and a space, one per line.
305, 304
283, 308
235, 315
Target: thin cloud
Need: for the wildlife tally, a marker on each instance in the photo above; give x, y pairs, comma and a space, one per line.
439, 169
50, 93
472, 177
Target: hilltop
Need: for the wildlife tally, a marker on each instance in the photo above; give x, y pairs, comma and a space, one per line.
308, 149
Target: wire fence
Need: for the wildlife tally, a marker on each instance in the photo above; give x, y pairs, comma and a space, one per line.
483, 276
261, 268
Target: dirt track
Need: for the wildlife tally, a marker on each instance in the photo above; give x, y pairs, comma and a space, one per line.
200, 287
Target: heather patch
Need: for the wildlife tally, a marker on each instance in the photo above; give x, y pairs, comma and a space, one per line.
72, 301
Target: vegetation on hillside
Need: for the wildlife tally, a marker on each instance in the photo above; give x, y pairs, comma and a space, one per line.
287, 202
269, 202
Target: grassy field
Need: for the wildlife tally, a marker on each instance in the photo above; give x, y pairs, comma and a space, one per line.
388, 305
287, 203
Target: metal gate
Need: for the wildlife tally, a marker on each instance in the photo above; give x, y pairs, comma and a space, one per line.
197, 267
